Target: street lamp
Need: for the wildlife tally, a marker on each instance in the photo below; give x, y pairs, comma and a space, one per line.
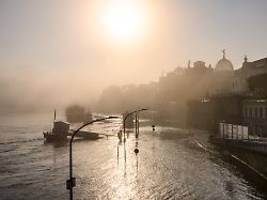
72, 181
124, 120
124, 130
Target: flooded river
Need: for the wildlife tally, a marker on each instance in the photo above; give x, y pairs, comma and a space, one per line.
169, 165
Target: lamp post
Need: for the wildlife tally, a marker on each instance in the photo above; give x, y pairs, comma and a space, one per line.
125, 118
72, 181
124, 129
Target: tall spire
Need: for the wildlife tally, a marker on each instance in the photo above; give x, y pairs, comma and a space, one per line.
223, 51
189, 64
245, 58
55, 114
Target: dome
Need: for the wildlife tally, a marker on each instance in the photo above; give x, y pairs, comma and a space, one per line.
224, 64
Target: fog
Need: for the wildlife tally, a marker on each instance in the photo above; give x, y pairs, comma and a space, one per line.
53, 54
33, 89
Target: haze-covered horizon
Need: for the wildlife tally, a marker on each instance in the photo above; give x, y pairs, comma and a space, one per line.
53, 53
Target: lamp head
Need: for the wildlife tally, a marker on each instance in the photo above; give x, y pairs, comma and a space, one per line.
143, 109
113, 117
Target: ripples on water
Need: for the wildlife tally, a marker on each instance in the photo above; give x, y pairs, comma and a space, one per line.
168, 166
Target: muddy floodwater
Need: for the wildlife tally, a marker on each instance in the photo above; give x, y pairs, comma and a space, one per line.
169, 165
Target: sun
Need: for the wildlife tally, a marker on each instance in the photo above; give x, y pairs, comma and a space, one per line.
123, 20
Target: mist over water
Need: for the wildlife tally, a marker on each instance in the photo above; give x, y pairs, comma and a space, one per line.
167, 58
39, 90
169, 165
71, 54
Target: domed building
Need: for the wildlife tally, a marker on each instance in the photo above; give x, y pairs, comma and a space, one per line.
224, 64
223, 77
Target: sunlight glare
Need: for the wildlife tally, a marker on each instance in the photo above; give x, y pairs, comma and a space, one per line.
123, 20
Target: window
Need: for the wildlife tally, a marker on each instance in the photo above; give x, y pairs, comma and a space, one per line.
261, 112
256, 112
250, 112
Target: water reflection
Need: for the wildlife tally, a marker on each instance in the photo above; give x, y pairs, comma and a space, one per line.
169, 165
165, 167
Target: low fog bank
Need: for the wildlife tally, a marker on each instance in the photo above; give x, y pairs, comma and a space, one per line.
168, 97
42, 90
27, 90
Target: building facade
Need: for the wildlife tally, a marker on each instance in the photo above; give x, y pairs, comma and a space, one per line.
208, 113
254, 114
247, 71
235, 97
223, 77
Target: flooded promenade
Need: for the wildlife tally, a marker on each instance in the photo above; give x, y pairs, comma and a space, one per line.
169, 165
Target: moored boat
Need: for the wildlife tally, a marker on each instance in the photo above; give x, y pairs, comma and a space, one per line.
59, 132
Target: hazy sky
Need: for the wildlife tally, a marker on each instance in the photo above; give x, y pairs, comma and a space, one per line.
64, 40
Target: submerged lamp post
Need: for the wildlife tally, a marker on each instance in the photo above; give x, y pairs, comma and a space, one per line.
72, 181
125, 118
124, 130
